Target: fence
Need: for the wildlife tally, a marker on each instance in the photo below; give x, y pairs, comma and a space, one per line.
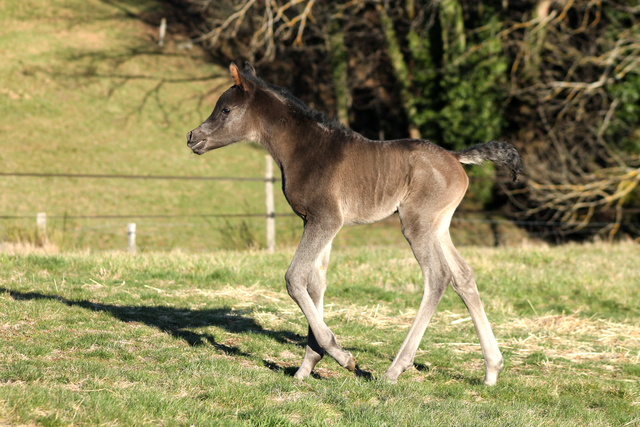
487, 217
269, 214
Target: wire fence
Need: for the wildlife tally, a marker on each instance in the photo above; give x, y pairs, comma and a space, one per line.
494, 219
120, 176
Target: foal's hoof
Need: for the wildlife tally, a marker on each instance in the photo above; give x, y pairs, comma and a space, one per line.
301, 375
351, 363
493, 369
491, 379
389, 378
395, 370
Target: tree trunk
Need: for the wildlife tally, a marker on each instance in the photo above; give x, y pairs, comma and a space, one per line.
339, 72
400, 70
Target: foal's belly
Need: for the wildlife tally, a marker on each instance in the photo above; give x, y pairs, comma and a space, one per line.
368, 210
368, 219
373, 190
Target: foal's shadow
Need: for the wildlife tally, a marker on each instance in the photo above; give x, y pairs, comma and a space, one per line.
177, 322
449, 375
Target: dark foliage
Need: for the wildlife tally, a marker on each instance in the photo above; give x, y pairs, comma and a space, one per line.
559, 80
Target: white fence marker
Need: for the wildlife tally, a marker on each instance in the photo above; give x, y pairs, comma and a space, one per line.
162, 31
271, 214
131, 236
41, 224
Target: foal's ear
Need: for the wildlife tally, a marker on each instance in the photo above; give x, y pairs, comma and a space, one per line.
241, 81
248, 69
235, 74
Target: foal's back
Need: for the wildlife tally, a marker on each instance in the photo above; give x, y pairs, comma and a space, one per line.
373, 179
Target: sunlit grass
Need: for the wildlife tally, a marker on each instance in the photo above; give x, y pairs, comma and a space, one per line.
214, 338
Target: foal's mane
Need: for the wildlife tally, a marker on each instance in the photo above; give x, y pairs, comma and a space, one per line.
297, 104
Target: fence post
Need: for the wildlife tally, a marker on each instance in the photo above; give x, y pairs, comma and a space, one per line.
162, 31
41, 225
271, 215
131, 236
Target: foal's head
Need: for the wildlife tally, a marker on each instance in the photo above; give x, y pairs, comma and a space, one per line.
230, 120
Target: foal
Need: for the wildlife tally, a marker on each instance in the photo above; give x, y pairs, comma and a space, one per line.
333, 176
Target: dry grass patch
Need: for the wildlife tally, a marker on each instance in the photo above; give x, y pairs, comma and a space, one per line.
575, 339
246, 295
371, 315
24, 247
243, 295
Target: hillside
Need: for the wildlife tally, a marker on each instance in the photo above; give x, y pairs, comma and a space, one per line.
85, 89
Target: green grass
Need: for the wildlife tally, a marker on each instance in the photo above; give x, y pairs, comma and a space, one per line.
210, 338
213, 339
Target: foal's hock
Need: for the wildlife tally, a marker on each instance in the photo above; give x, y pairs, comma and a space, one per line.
333, 176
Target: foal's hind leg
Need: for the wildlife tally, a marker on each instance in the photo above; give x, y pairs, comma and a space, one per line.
465, 285
316, 288
435, 271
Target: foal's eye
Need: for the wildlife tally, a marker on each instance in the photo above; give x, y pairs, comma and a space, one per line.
226, 111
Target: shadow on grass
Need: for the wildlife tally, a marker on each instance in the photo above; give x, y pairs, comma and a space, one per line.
177, 321
449, 375
290, 371
361, 373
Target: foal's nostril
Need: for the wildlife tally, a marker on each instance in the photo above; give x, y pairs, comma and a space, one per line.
189, 137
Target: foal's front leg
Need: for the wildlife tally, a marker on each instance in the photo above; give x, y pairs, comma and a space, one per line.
317, 285
302, 276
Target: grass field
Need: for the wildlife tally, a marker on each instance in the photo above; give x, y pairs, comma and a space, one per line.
213, 339
209, 337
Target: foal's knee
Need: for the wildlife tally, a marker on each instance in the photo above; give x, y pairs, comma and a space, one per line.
311, 281
464, 280
296, 283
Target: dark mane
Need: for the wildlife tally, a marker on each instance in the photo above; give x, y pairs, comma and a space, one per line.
301, 107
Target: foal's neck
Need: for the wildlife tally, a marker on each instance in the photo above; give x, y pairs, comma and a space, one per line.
286, 137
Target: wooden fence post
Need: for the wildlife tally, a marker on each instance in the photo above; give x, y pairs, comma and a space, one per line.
131, 236
271, 215
41, 226
162, 31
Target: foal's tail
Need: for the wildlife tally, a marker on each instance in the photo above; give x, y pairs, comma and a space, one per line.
500, 153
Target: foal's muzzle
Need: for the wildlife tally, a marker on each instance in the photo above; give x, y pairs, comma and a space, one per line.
196, 144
